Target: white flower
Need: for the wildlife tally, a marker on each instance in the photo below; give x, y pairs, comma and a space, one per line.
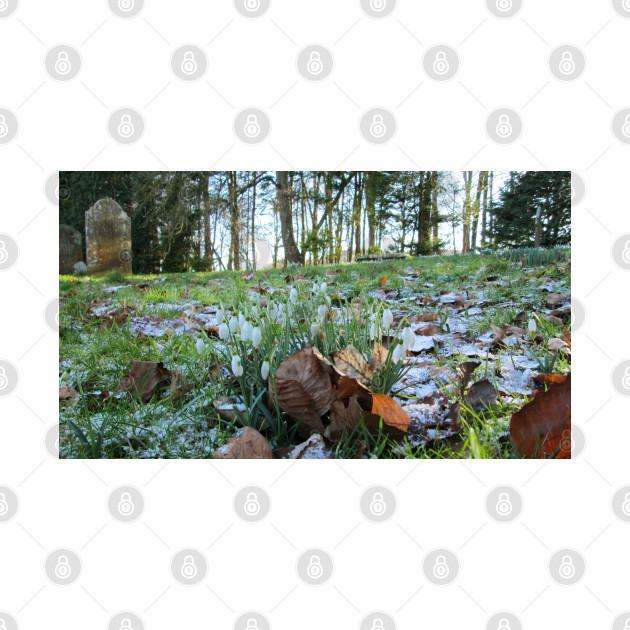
293, 296
322, 287
237, 368
388, 318
256, 337
233, 324
531, 326
224, 331
314, 329
315, 288
246, 331
220, 317
200, 345
373, 331
264, 370
322, 310
398, 353
241, 319
408, 338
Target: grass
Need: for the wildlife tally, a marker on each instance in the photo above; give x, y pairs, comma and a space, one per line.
93, 359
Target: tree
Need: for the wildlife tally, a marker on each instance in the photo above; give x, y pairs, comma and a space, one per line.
285, 210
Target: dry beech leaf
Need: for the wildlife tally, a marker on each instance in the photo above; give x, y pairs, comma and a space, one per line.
143, 378
378, 357
352, 363
554, 299
464, 372
430, 330
117, 317
68, 393
481, 395
425, 317
550, 379
249, 445
382, 281
393, 414
542, 428
557, 344
178, 387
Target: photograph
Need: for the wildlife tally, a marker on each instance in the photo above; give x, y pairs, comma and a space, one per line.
315, 314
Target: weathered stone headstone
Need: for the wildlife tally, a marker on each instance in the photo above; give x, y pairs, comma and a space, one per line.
107, 237
69, 248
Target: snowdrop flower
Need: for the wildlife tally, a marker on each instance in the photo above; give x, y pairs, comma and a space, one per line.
315, 329
293, 296
237, 368
264, 370
241, 319
315, 288
328, 300
398, 353
224, 331
322, 310
246, 331
233, 324
408, 338
531, 326
388, 318
220, 317
200, 345
254, 309
256, 337
373, 331
322, 287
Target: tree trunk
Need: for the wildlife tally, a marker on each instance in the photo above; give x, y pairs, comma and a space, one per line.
482, 182
538, 226
234, 261
466, 212
370, 208
291, 251
255, 174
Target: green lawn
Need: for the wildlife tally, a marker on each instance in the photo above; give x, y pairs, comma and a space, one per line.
106, 322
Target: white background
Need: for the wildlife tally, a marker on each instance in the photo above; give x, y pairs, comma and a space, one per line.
314, 126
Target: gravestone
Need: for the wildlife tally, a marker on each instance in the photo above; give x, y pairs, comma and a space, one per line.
70, 250
107, 237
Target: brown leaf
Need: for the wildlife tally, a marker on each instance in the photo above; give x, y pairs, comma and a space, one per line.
382, 281
425, 317
541, 429
351, 388
313, 448
393, 414
481, 395
430, 330
298, 403
550, 379
343, 417
566, 335
68, 393
117, 317
248, 275
554, 299
464, 372
378, 357
143, 378
351, 362
249, 445
178, 387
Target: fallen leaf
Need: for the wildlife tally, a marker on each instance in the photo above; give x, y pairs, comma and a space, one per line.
554, 299
313, 448
248, 275
464, 372
430, 330
352, 363
178, 387
249, 445
542, 428
425, 317
557, 344
382, 281
143, 378
392, 413
378, 357
68, 393
481, 395
117, 317
550, 379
